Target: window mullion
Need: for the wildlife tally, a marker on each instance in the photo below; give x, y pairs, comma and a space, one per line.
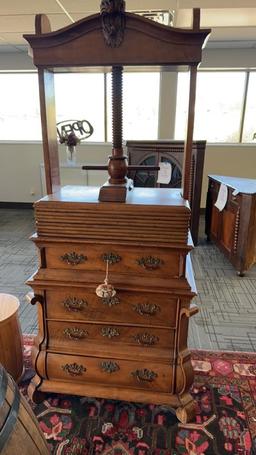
246, 85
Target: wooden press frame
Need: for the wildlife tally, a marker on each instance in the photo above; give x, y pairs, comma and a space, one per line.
82, 44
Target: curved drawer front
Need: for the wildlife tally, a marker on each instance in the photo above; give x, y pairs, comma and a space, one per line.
132, 307
145, 261
110, 372
76, 336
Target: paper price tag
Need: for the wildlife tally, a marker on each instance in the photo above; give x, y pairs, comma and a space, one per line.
165, 173
222, 197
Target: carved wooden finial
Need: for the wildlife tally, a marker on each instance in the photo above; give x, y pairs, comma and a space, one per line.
42, 24
113, 21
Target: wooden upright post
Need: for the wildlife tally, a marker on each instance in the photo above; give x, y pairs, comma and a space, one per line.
48, 116
191, 116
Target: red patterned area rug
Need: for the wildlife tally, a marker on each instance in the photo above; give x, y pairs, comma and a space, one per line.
225, 394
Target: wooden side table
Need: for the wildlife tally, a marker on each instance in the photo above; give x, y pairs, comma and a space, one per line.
233, 229
11, 349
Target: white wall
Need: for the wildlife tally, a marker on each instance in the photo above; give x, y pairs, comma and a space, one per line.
234, 160
21, 174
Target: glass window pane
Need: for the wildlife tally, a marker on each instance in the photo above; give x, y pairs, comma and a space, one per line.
140, 106
249, 132
181, 106
80, 96
218, 109
19, 107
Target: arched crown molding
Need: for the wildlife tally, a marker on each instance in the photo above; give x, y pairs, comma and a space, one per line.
144, 41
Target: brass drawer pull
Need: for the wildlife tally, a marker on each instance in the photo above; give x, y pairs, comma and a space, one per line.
148, 309
109, 332
150, 263
73, 258
109, 367
146, 339
111, 258
74, 304
110, 301
144, 375
73, 369
75, 333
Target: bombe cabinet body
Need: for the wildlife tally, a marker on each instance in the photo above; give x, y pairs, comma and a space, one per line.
132, 346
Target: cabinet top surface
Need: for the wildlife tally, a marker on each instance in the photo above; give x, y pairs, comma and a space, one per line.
242, 185
137, 196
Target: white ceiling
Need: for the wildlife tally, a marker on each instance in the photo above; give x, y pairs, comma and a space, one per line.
232, 21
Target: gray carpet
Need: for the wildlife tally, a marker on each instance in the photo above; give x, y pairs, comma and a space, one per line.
227, 318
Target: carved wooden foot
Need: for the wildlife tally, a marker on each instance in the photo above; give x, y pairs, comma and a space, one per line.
187, 411
241, 273
34, 394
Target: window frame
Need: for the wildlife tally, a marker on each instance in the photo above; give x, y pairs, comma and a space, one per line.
106, 120
243, 104
247, 71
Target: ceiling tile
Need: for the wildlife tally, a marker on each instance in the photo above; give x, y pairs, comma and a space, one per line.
78, 16
12, 28
81, 6
212, 17
17, 24
236, 22
28, 7
234, 17
216, 4
93, 6
58, 21
14, 38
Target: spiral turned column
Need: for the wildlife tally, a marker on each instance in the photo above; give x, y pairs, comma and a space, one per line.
117, 166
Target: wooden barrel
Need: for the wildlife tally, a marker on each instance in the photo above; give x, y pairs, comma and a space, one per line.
19, 429
11, 345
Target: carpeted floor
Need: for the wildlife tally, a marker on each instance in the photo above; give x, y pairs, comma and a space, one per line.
225, 394
227, 303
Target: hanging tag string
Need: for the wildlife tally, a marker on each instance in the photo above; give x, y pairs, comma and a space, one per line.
106, 277
105, 290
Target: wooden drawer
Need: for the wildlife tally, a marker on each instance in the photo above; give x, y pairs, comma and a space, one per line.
148, 262
152, 309
76, 337
113, 372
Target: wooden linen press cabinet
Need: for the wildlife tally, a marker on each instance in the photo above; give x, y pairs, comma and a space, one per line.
131, 346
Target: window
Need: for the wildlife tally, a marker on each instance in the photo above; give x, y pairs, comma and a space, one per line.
219, 105
80, 96
19, 107
140, 106
225, 111
249, 130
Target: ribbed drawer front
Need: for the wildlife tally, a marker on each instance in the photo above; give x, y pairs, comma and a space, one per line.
151, 215
138, 375
76, 336
150, 262
142, 308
